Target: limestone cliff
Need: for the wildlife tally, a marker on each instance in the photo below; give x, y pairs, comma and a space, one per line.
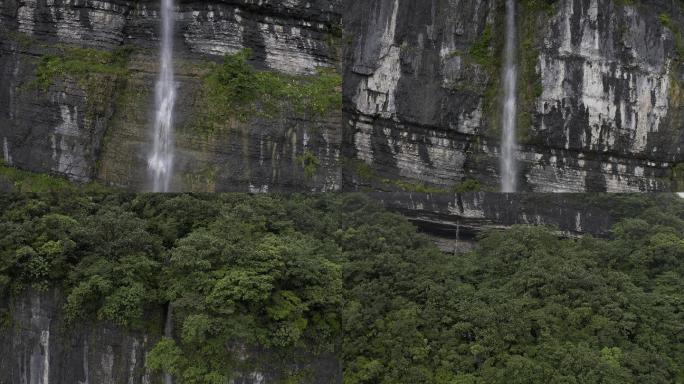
455, 220
600, 94
38, 347
78, 89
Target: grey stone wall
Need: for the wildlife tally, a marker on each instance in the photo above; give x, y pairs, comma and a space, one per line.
599, 93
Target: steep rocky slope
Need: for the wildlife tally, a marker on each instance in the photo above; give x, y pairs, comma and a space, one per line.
78, 89
455, 220
38, 347
472, 213
600, 93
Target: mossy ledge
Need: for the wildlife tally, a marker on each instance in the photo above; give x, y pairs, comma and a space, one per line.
235, 90
31, 182
96, 72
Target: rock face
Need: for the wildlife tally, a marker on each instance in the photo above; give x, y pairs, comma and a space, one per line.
36, 347
100, 128
472, 213
454, 220
600, 94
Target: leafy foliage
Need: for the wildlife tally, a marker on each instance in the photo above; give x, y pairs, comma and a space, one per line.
234, 89
337, 274
83, 64
25, 181
480, 51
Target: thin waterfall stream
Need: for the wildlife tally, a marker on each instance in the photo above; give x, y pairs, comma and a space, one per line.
510, 77
160, 161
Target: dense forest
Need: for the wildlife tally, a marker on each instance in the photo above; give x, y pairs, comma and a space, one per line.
338, 274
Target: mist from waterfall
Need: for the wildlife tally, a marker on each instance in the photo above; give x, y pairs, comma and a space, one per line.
160, 161
510, 77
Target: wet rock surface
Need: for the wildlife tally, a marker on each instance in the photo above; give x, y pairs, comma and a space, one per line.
38, 347
463, 216
101, 130
599, 96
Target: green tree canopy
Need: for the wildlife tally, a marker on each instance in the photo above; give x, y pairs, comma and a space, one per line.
338, 275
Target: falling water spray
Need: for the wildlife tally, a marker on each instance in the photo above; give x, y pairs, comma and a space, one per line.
510, 76
160, 161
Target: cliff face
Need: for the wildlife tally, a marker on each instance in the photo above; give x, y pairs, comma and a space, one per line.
455, 220
599, 96
88, 116
38, 347
599, 99
473, 213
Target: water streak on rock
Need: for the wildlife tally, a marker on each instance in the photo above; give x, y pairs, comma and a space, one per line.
161, 159
510, 75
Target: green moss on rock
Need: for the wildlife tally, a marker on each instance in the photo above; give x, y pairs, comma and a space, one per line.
309, 162
235, 90
31, 182
95, 71
480, 51
468, 185
677, 177
81, 64
409, 186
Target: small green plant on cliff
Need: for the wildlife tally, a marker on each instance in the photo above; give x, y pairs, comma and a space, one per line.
336, 40
468, 185
412, 186
480, 51
234, 89
25, 181
361, 169
665, 20
231, 86
677, 177
86, 66
309, 162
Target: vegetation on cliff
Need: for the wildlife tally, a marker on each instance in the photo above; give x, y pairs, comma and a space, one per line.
83, 64
17, 180
236, 90
337, 274
96, 72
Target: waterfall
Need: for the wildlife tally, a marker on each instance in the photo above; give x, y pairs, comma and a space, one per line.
168, 333
510, 75
160, 161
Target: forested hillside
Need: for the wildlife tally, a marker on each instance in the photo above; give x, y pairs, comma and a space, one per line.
337, 278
